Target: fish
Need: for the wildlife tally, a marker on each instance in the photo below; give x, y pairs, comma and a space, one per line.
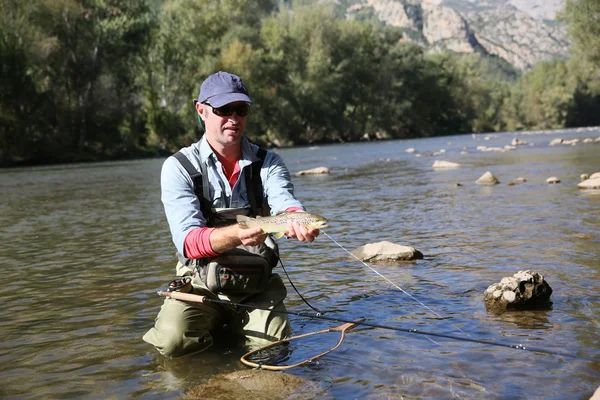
278, 224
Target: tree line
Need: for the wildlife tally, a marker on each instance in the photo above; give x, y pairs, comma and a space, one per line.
109, 79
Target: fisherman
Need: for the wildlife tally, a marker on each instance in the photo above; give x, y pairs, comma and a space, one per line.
203, 188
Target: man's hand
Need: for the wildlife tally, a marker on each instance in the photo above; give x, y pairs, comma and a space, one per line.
252, 236
295, 230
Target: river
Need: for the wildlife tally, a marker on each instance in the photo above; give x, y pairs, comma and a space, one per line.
85, 247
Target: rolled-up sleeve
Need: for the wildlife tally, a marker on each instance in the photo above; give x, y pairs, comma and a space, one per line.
182, 207
277, 184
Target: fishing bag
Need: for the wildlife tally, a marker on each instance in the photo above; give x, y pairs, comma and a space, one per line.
245, 269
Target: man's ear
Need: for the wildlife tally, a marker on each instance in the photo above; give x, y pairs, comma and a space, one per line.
201, 109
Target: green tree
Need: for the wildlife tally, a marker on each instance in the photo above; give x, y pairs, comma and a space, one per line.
25, 112
583, 17
188, 46
91, 71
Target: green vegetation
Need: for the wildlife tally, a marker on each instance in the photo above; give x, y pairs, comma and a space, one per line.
109, 79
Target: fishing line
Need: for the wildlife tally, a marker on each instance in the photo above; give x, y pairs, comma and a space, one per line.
200, 299
392, 283
319, 312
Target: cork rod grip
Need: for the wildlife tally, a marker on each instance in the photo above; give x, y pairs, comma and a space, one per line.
194, 298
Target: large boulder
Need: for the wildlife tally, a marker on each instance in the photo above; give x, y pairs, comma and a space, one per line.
253, 384
386, 251
525, 290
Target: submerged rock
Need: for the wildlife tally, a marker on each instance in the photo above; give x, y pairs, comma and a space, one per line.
386, 251
314, 171
556, 141
553, 180
525, 290
445, 164
252, 384
487, 179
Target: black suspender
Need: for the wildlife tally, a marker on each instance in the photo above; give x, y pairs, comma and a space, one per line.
254, 187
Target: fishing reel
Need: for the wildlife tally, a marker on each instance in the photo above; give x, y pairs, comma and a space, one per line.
182, 284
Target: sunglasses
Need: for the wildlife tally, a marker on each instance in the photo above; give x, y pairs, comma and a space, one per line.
227, 110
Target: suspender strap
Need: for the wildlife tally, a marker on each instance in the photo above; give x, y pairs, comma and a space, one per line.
254, 187
201, 188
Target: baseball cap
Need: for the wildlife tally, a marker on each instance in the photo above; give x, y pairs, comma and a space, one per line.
223, 88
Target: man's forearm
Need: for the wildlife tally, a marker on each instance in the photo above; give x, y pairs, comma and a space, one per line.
225, 238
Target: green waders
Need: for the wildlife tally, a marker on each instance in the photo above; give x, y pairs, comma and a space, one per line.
183, 328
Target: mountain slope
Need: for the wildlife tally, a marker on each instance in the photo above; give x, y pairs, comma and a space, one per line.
518, 31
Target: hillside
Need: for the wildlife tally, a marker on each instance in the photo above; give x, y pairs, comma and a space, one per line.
520, 32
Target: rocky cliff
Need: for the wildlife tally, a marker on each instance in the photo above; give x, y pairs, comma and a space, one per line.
518, 31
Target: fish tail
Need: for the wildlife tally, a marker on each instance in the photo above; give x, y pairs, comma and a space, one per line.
243, 221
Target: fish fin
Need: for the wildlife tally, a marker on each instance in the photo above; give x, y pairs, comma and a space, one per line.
278, 235
242, 221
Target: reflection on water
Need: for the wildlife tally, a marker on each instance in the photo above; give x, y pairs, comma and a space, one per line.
85, 247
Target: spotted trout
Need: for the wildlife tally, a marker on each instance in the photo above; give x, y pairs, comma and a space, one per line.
278, 224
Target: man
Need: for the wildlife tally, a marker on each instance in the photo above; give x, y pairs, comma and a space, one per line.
224, 157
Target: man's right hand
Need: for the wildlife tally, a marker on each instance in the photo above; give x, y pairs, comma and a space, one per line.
252, 237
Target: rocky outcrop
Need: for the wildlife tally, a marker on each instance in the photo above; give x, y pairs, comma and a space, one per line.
445, 29
386, 251
525, 290
517, 38
509, 29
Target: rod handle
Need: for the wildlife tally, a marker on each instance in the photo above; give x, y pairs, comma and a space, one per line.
194, 298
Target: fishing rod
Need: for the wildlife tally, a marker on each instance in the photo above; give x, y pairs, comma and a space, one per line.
203, 299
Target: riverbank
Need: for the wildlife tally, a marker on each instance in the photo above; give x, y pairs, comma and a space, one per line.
141, 154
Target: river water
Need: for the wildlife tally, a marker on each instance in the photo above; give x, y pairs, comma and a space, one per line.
85, 247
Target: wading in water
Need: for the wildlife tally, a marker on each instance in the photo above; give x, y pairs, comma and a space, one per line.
205, 189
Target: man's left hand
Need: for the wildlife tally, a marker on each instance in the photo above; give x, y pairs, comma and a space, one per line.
295, 230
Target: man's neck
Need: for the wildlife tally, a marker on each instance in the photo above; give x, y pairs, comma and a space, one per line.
229, 153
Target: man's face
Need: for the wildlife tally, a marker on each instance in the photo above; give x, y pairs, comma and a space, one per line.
224, 130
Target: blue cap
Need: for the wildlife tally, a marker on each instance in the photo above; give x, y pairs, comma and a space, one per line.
223, 88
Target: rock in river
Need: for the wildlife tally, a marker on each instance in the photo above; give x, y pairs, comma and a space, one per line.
590, 184
487, 179
386, 251
314, 171
525, 290
253, 384
445, 164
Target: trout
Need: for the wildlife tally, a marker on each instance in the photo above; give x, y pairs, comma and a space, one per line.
278, 224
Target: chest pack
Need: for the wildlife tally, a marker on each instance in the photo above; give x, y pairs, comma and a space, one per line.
245, 269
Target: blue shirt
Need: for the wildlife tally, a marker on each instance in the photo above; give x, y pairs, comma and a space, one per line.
182, 207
